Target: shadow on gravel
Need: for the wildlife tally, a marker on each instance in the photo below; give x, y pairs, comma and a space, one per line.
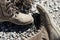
10, 27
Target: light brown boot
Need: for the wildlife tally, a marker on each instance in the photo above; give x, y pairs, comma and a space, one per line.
9, 12
52, 29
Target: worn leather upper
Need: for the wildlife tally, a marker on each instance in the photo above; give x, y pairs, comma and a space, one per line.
15, 11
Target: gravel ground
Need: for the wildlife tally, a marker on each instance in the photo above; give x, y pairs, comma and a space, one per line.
9, 31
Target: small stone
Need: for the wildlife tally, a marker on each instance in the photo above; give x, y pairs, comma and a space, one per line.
55, 10
50, 11
32, 33
19, 38
11, 38
13, 35
1, 33
8, 39
58, 7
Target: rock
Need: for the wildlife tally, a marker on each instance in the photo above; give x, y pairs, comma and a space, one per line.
1, 33
19, 38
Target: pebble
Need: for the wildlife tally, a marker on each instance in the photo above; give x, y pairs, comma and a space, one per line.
13, 35
1, 33
58, 7
19, 38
